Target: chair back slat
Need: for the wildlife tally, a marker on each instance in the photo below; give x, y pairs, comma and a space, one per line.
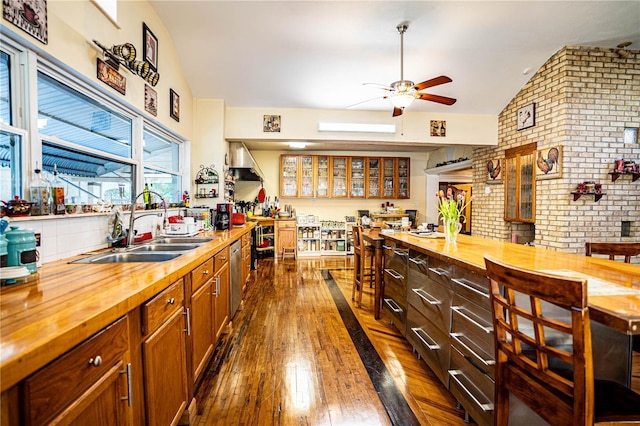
543, 342
628, 250
357, 238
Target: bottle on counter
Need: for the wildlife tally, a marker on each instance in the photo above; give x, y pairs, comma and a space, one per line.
146, 196
57, 193
40, 194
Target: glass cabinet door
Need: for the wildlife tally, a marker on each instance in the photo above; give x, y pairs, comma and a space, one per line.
527, 194
510, 189
339, 183
373, 177
388, 178
322, 185
357, 177
307, 174
520, 184
289, 176
403, 177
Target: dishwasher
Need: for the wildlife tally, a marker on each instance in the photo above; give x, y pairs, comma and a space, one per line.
235, 267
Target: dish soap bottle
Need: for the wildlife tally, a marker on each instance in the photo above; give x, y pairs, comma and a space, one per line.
39, 194
146, 195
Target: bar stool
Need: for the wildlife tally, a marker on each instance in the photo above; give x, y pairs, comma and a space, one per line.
288, 252
360, 272
614, 249
526, 361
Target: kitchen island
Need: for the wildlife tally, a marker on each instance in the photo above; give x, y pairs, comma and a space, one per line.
58, 310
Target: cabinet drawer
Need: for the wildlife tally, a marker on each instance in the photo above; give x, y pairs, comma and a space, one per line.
286, 224
246, 239
476, 355
473, 389
54, 387
394, 281
474, 323
431, 299
418, 263
431, 342
161, 307
396, 310
471, 286
221, 258
440, 271
201, 274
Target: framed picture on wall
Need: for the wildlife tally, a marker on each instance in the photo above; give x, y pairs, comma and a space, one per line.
174, 102
150, 100
549, 162
28, 15
494, 170
526, 117
149, 47
271, 123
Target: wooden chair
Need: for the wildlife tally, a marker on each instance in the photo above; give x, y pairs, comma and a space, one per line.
360, 271
524, 359
614, 249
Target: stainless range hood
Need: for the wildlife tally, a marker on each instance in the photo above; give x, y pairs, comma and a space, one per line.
241, 163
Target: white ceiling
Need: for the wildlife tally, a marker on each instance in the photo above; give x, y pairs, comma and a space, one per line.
318, 54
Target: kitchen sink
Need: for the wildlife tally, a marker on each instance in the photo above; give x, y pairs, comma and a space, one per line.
130, 256
163, 247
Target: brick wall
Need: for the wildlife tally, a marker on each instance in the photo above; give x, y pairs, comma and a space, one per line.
584, 98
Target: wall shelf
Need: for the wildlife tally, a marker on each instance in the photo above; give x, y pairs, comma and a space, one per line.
616, 175
596, 195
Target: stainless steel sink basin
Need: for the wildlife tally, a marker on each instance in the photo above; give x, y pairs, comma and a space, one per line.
164, 247
182, 240
130, 256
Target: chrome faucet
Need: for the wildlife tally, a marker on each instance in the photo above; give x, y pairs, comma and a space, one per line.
132, 219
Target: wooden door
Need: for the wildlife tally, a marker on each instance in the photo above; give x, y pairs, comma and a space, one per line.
289, 176
201, 326
221, 301
165, 375
372, 172
322, 182
307, 176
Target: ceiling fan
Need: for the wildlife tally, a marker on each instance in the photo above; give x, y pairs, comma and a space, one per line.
403, 92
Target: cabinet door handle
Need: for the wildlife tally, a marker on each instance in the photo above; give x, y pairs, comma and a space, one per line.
96, 361
464, 284
387, 247
401, 252
129, 397
454, 375
432, 346
171, 301
393, 305
418, 261
426, 296
394, 274
482, 327
218, 286
438, 271
205, 272
187, 313
487, 363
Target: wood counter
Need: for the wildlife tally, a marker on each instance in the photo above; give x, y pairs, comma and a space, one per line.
62, 304
618, 311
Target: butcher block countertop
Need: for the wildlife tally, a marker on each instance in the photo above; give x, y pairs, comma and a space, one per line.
613, 286
63, 304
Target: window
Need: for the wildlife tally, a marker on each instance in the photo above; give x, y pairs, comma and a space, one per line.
12, 139
161, 157
5, 88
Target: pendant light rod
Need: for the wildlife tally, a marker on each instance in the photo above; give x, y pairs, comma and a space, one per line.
401, 29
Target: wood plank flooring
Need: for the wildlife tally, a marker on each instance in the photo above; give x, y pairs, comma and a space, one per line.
288, 358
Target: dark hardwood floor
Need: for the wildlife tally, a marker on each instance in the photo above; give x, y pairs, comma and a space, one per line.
289, 357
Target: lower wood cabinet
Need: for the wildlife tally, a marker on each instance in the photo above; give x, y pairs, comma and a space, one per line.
164, 356
221, 293
285, 232
89, 385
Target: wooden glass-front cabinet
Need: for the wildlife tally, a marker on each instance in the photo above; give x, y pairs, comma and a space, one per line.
289, 176
339, 177
388, 178
372, 172
324, 176
322, 188
356, 189
520, 184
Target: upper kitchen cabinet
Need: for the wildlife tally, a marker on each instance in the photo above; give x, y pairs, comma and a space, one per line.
308, 169
389, 181
520, 184
372, 172
357, 174
322, 188
289, 176
339, 177
403, 177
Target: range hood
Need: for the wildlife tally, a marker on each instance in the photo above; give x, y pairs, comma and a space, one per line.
241, 163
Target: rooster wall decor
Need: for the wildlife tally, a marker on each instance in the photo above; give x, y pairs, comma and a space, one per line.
548, 163
494, 170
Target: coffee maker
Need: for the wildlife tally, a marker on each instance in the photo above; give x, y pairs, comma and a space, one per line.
223, 217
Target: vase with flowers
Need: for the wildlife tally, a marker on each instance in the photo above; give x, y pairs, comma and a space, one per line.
450, 209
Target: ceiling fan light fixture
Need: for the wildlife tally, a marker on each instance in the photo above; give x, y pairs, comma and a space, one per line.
401, 100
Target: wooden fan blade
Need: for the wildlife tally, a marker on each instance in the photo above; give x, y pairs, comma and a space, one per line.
433, 82
397, 111
437, 98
